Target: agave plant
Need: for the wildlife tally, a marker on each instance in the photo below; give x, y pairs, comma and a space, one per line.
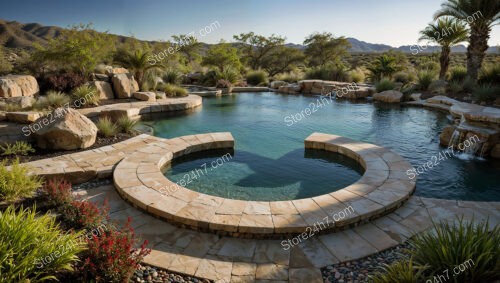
136, 61
446, 32
481, 16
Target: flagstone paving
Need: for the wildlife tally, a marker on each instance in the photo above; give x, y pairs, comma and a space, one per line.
229, 259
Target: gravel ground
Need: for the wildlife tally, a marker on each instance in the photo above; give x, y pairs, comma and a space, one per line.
358, 270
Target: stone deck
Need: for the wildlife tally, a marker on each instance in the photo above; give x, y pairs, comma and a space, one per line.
383, 187
227, 259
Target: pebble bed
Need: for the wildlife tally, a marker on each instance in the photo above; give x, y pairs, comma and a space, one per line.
144, 273
357, 271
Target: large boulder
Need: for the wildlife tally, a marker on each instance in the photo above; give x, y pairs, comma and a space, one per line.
124, 85
110, 71
445, 136
104, 89
64, 128
18, 85
389, 96
23, 117
145, 95
307, 85
277, 84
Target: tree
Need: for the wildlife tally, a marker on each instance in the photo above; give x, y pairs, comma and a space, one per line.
324, 48
222, 56
282, 60
446, 32
481, 16
77, 49
5, 66
188, 46
136, 61
256, 47
384, 66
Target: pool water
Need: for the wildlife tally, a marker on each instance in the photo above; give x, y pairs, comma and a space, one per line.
269, 161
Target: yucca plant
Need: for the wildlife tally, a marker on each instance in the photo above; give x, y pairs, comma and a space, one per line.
87, 95
106, 127
15, 182
384, 85
402, 271
450, 245
33, 248
172, 76
17, 148
126, 124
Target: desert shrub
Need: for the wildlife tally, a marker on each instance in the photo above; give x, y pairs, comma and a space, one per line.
57, 192
486, 92
17, 148
174, 91
384, 85
328, 73
228, 74
356, 76
106, 127
111, 257
457, 73
257, 77
490, 74
223, 84
15, 181
450, 245
33, 248
86, 95
425, 78
402, 77
85, 214
64, 82
429, 65
52, 100
172, 76
455, 86
400, 271
126, 124
290, 77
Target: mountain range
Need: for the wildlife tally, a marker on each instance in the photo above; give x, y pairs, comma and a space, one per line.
18, 35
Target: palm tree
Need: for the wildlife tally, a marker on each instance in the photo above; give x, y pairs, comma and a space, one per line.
481, 16
446, 32
383, 66
136, 61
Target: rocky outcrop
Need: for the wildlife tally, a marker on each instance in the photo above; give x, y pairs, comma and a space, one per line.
18, 85
389, 96
145, 95
277, 84
290, 89
21, 102
104, 89
64, 128
110, 71
23, 117
124, 85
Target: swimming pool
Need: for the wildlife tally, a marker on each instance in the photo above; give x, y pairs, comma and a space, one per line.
269, 162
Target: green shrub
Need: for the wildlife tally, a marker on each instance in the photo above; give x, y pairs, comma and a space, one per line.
172, 76
458, 74
384, 85
18, 148
425, 78
402, 77
209, 78
290, 77
52, 100
356, 76
328, 73
33, 248
257, 77
15, 182
403, 271
174, 91
228, 74
455, 87
106, 127
490, 74
486, 92
450, 245
86, 95
126, 124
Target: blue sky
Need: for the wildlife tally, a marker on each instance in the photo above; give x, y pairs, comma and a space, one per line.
393, 22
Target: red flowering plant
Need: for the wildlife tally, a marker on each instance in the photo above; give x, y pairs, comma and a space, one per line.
111, 256
85, 214
57, 192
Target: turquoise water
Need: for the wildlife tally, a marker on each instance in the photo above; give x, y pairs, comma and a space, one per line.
269, 162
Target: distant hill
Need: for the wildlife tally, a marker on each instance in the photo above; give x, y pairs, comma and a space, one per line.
18, 35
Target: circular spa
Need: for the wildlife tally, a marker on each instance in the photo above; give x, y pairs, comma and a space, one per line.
270, 163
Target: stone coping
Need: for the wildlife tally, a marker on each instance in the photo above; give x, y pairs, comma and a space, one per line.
383, 187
